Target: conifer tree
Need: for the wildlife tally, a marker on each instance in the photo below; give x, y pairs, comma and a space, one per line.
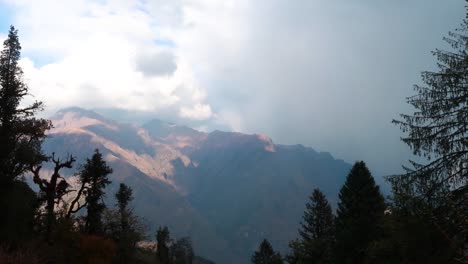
359, 215
266, 255
435, 191
21, 134
162, 251
123, 226
93, 177
316, 232
438, 129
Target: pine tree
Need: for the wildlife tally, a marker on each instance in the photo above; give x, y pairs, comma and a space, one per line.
266, 255
21, 134
162, 251
436, 191
359, 215
93, 177
438, 130
316, 232
123, 226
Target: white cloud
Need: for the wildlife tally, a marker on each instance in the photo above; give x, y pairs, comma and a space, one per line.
156, 64
197, 112
104, 54
233, 119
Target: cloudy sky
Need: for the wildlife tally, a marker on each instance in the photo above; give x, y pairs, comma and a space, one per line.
327, 74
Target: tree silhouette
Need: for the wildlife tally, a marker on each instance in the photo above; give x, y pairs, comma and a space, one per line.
21, 134
360, 211
266, 255
316, 232
124, 226
435, 192
53, 189
162, 249
438, 129
93, 178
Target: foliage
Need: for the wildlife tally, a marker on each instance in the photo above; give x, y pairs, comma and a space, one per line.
359, 215
21, 134
316, 232
438, 129
20, 255
162, 249
93, 178
266, 255
19, 210
181, 252
410, 239
52, 190
96, 249
435, 193
123, 226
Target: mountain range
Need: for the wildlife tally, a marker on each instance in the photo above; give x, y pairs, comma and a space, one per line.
226, 190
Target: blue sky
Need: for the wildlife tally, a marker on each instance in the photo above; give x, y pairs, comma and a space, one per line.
327, 74
5, 17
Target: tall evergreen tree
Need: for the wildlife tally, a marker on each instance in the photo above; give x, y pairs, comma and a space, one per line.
21, 134
316, 232
93, 177
438, 129
436, 191
162, 251
266, 255
123, 226
359, 215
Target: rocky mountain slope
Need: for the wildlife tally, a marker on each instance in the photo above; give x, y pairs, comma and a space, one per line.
225, 190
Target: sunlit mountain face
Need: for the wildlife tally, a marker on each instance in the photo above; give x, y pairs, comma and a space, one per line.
225, 190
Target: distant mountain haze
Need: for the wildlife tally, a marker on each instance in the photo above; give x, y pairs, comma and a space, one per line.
227, 191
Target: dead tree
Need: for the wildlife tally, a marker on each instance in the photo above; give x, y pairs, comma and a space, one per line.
52, 190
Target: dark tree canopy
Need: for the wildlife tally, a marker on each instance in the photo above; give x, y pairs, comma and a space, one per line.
266, 255
360, 211
19, 214
123, 226
435, 193
93, 177
124, 196
162, 251
181, 251
438, 129
21, 134
318, 218
52, 189
316, 232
